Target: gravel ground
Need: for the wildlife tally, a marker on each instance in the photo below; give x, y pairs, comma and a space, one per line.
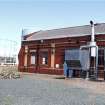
45, 90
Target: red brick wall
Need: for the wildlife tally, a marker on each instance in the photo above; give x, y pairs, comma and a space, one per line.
60, 45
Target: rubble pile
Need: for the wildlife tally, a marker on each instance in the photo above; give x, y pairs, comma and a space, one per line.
9, 73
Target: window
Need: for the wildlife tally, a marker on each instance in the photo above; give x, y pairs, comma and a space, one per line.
32, 56
44, 57
32, 59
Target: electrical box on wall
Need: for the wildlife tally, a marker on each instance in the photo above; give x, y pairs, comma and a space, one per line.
93, 49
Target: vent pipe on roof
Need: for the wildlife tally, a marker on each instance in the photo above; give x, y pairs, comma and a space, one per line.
92, 34
92, 43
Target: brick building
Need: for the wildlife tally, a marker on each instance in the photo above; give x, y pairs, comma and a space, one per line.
44, 51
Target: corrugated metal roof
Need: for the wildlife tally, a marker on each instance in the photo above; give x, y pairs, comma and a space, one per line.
67, 32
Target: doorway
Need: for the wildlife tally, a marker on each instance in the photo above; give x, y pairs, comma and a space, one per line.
101, 59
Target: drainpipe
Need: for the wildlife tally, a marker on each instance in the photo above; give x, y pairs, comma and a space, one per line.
92, 28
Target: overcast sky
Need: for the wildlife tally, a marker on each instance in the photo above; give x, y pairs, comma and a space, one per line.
16, 15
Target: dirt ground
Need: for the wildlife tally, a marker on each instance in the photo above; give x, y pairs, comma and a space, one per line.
94, 86
43, 89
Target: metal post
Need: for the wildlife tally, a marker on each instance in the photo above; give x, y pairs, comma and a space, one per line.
96, 61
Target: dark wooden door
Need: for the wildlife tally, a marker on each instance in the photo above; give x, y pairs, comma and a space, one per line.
101, 61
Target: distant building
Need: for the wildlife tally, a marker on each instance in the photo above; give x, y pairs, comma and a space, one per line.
45, 51
7, 60
8, 52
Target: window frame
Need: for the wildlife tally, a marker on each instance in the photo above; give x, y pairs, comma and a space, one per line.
33, 53
32, 60
42, 56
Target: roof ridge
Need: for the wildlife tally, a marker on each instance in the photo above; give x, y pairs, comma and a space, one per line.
70, 27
